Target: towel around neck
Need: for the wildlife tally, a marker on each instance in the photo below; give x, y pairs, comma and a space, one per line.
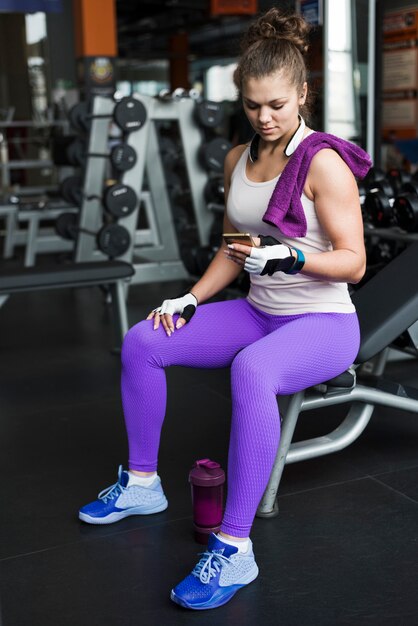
285, 208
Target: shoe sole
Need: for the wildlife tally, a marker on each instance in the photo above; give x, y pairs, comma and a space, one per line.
221, 601
117, 516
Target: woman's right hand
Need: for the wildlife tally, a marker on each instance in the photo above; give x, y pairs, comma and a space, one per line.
185, 306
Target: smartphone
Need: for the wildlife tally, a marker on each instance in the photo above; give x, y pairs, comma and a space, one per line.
244, 238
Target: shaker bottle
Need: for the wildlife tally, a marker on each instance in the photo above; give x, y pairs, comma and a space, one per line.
207, 480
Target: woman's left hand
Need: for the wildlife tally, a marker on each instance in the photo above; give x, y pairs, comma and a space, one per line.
239, 253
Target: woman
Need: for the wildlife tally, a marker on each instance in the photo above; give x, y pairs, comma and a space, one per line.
296, 328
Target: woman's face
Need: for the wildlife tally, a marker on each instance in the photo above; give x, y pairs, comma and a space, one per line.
272, 104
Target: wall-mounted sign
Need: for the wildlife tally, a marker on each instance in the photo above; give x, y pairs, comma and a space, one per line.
400, 74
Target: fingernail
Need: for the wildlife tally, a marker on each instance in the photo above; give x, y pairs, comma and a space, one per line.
178, 325
231, 246
168, 334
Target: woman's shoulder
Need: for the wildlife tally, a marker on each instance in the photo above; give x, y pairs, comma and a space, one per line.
233, 157
327, 160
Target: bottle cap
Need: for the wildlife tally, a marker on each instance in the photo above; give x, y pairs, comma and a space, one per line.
206, 473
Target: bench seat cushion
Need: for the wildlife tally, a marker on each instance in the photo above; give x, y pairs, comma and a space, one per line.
74, 274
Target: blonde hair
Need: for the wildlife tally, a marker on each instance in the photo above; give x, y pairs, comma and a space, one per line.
275, 42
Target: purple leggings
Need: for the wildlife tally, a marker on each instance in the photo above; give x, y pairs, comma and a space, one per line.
269, 355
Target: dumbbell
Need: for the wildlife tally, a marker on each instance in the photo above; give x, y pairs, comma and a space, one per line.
112, 239
129, 115
373, 176
378, 203
180, 94
175, 186
71, 189
405, 207
72, 150
119, 200
214, 191
171, 153
362, 190
398, 178
122, 156
212, 154
165, 95
208, 114
382, 251
69, 150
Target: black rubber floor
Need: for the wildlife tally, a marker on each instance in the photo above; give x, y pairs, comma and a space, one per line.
342, 551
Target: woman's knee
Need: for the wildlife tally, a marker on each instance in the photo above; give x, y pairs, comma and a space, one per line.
246, 366
248, 371
137, 341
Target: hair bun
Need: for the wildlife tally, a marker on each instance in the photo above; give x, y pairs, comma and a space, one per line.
276, 25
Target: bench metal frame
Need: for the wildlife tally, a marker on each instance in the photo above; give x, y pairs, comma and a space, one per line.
387, 306
362, 400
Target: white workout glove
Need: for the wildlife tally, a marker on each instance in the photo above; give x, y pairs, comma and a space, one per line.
272, 256
185, 306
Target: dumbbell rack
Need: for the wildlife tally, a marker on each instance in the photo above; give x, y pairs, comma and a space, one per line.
154, 252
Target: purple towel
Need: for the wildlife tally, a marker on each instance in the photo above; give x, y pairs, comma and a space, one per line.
285, 208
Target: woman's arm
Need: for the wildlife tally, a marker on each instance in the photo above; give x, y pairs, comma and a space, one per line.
221, 272
333, 189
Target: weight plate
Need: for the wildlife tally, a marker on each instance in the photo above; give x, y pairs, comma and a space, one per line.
71, 190
373, 175
214, 191
76, 152
410, 187
213, 154
209, 114
123, 157
66, 225
120, 200
130, 114
385, 186
113, 240
405, 211
78, 117
398, 177
377, 206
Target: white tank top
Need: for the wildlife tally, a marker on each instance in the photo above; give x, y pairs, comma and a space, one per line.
283, 294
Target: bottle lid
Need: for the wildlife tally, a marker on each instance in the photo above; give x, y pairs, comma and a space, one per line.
206, 473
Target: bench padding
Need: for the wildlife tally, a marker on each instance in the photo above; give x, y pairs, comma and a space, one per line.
387, 305
75, 274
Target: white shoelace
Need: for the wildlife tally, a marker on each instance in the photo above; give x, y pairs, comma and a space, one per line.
112, 492
209, 566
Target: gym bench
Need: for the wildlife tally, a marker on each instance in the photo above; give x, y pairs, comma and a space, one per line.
387, 307
110, 274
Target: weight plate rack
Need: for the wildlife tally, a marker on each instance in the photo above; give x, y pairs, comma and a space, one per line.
157, 258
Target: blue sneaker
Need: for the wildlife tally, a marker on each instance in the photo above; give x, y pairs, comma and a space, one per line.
119, 501
220, 573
